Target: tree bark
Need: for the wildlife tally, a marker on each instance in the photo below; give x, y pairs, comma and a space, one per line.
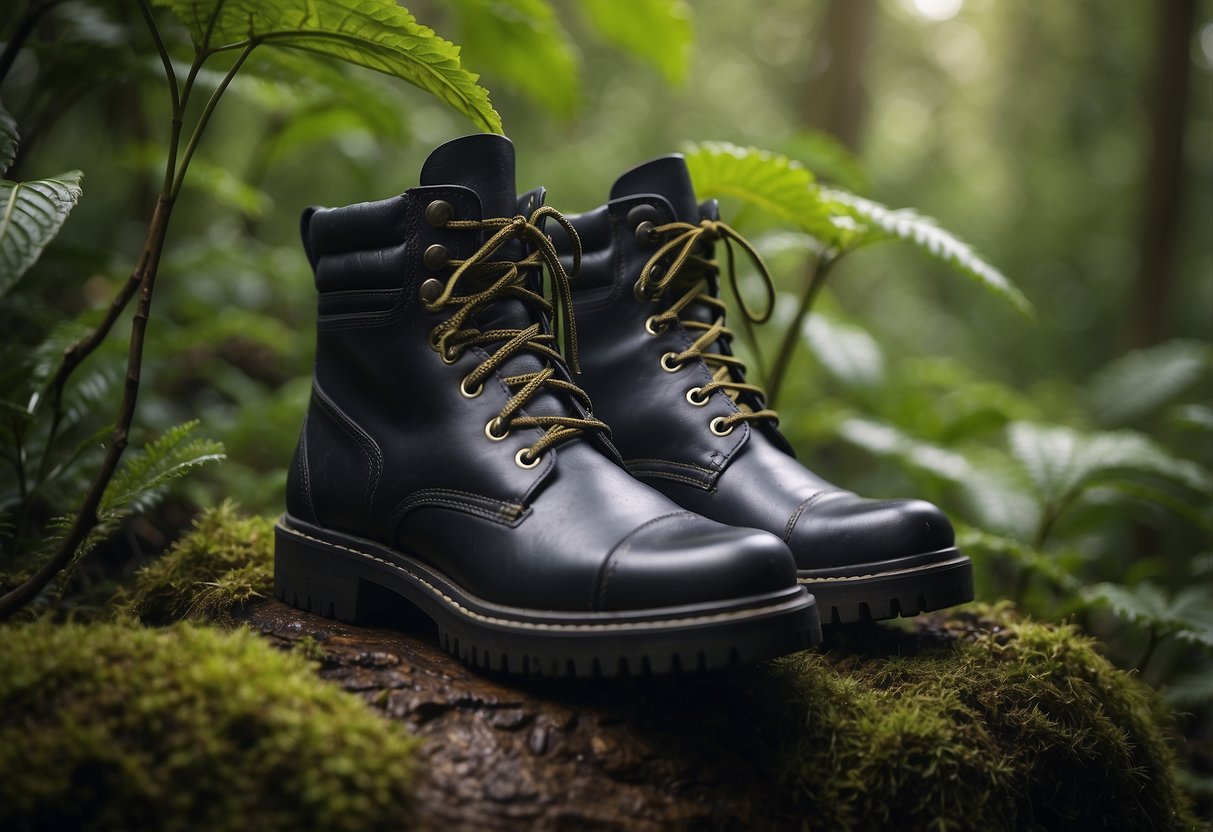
836, 98
1163, 183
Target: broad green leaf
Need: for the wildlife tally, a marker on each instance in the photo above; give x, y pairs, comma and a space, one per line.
1143, 381
994, 496
31, 214
657, 31
522, 43
880, 222
1194, 416
847, 352
1061, 461
376, 34
8, 140
229, 190
888, 441
827, 157
1187, 615
780, 186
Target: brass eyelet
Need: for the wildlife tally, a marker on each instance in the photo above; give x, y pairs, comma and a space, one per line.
644, 233
470, 394
519, 459
669, 364
488, 430
718, 427
448, 356
695, 397
439, 212
639, 293
430, 290
652, 327
436, 257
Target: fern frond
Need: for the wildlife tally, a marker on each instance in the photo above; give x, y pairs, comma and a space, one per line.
881, 222
160, 462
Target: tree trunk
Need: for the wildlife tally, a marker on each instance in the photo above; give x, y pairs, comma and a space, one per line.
836, 98
1163, 184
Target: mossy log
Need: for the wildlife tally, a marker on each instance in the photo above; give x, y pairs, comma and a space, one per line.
968, 720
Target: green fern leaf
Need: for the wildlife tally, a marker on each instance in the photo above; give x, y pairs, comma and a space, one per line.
995, 498
1061, 462
1143, 381
1187, 615
880, 222
522, 43
375, 34
975, 541
8, 140
31, 214
657, 31
780, 186
1190, 691
168, 458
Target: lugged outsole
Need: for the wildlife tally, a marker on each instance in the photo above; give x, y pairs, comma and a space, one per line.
897, 594
338, 580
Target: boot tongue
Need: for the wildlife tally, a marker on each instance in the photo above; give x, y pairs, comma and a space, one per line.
483, 162
666, 176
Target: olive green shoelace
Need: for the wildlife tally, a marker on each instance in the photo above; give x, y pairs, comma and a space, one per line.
507, 279
691, 274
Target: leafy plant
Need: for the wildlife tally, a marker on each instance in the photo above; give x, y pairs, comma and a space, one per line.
837, 222
377, 35
31, 213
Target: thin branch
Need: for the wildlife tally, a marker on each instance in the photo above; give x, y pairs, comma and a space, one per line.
86, 517
25, 28
791, 335
173, 91
203, 119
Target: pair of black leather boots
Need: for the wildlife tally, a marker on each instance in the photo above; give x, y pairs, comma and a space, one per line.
450, 455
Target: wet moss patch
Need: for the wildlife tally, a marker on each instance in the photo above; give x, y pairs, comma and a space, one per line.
107, 727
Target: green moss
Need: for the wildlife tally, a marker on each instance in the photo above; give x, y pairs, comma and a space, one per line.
975, 719
223, 562
1013, 725
106, 727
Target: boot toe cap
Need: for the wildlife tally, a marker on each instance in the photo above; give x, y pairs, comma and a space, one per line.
843, 529
686, 559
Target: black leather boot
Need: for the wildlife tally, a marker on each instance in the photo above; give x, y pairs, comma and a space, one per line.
449, 458
657, 362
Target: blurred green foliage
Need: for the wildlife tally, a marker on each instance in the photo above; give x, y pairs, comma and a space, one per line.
1073, 452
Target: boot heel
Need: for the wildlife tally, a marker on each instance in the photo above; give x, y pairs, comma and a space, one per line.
318, 577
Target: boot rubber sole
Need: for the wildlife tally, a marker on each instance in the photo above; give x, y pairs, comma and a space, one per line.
340, 576
901, 587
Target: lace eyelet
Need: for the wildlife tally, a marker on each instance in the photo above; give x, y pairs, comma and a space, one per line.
449, 356
439, 212
520, 459
652, 327
640, 294
429, 291
645, 234
669, 364
695, 397
436, 257
470, 394
718, 427
488, 430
